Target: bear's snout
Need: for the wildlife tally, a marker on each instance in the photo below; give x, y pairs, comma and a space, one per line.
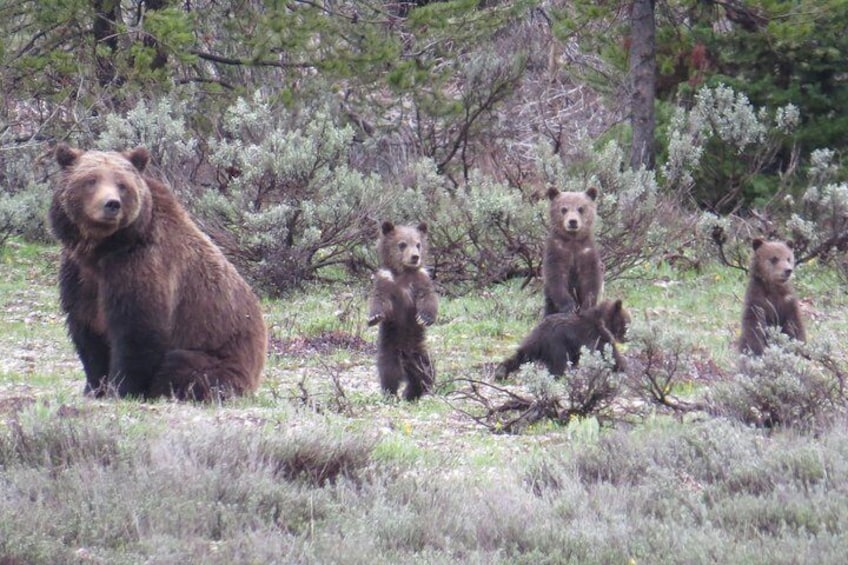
573, 224
414, 259
787, 273
111, 208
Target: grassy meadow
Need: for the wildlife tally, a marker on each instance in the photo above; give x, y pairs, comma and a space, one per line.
318, 467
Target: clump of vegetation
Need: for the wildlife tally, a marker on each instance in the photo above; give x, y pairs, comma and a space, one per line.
589, 389
291, 206
660, 368
790, 385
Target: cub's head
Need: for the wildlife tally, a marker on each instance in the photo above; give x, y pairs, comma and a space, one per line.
100, 192
572, 213
773, 261
616, 319
402, 247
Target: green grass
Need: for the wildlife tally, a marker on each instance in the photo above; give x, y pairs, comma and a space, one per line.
305, 472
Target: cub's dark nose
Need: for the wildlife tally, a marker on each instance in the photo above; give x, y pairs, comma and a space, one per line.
414, 259
787, 273
572, 224
112, 207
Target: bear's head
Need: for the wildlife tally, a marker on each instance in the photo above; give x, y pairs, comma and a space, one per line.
616, 319
100, 193
402, 247
572, 213
773, 261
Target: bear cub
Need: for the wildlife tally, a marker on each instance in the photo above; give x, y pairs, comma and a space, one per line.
153, 307
557, 339
572, 271
769, 299
403, 301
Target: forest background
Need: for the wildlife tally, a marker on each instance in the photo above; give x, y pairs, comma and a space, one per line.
290, 130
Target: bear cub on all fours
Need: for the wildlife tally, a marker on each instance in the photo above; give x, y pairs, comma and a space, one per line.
403, 301
153, 306
572, 271
556, 340
769, 299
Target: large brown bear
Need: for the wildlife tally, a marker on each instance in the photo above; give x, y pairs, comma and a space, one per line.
557, 339
153, 306
769, 300
403, 302
571, 267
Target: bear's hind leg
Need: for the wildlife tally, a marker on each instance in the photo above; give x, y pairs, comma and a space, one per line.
391, 372
420, 375
195, 375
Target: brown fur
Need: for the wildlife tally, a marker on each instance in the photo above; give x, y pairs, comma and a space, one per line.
769, 299
403, 301
571, 268
153, 306
557, 339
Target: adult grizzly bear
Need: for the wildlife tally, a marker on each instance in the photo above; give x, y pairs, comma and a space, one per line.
557, 339
153, 306
769, 300
571, 267
403, 302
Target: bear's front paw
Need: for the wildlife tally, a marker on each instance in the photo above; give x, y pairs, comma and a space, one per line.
501, 373
425, 319
375, 319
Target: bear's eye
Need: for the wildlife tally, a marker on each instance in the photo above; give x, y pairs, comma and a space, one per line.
563, 211
418, 246
774, 260
581, 209
122, 187
402, 245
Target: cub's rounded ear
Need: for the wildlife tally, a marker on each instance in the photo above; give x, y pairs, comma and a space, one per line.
552, 193
388, 228
422, 227
592, 193
66, 156
790, 244
757, 243
139, 157
617, 307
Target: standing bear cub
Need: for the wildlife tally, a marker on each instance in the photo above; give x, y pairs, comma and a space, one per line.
556, 340
153, 306
769, 299
572, 272
403, 302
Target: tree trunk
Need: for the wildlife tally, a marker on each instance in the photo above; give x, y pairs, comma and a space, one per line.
643, 66
105, 34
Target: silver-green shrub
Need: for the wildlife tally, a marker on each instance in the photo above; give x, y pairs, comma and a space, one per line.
292, 206
23, 213
819, 225
159, 125
480, 233
718, 146
789, 385
24, 193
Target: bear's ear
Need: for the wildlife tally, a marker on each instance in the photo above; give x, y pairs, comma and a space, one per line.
592, 192
617, 307
552, 193
139, 157
422, 227
66, 156
790, 244
757, 242
388, 228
